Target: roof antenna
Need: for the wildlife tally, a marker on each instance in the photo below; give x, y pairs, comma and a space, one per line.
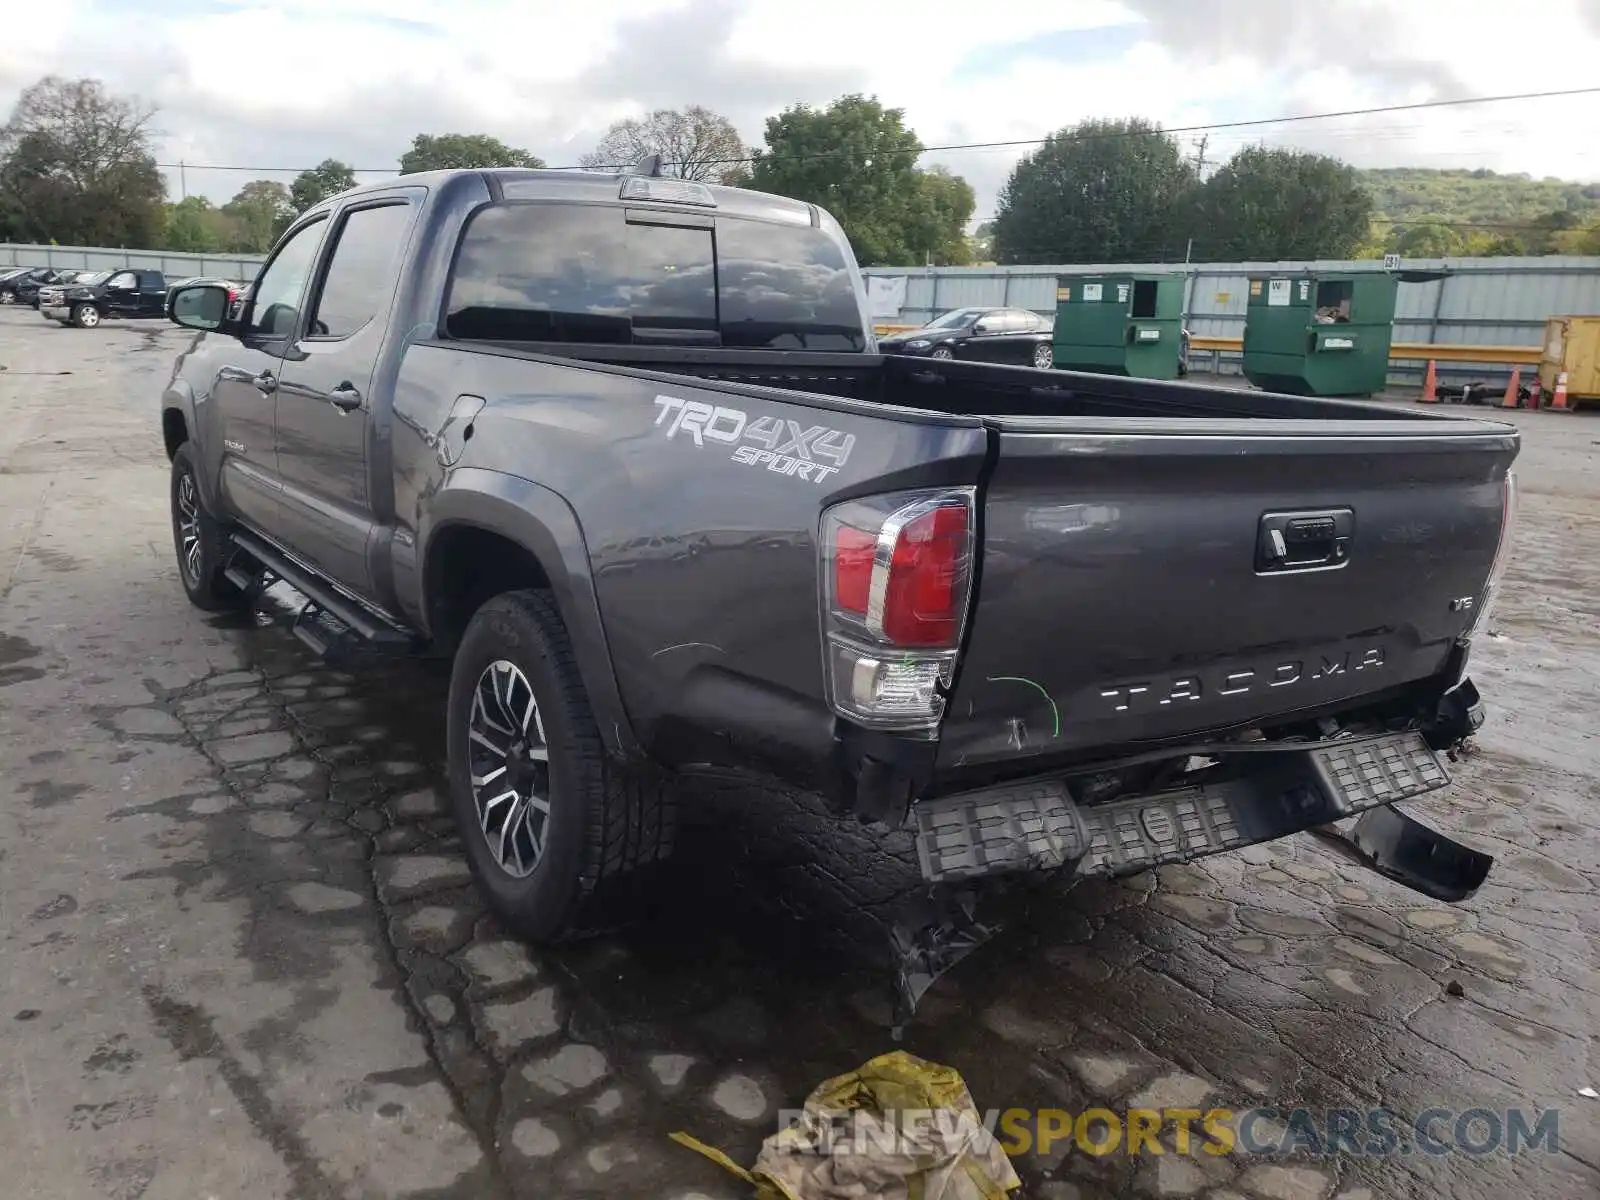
650, 165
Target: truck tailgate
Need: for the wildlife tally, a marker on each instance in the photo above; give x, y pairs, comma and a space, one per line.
1131, 585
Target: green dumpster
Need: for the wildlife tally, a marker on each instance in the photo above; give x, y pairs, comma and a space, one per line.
1120, 324
1320, 334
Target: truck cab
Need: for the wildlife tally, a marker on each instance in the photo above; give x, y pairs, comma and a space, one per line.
87, 300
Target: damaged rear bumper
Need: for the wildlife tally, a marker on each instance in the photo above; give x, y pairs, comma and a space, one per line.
1036, 826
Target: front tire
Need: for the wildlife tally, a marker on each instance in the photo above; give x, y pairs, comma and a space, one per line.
557, 834
86, 316
944, 353
199, 540
1044, 357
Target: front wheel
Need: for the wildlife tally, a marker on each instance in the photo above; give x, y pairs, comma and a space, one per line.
8, 297
1044, 357
557, 833
942, 352
86, 316
199, 540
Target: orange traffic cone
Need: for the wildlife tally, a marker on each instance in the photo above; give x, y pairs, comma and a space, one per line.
1558, 401
1430, 385
1535, 394
1509, 400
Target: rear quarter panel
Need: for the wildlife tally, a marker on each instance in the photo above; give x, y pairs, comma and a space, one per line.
698, 508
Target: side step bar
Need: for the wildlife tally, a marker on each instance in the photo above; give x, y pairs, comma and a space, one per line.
329, 621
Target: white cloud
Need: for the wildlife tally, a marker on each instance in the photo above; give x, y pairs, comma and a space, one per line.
287, 83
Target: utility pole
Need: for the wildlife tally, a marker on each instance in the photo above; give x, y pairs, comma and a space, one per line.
183, 180
1200, 154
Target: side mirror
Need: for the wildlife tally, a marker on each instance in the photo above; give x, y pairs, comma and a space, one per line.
982, 327
199, 306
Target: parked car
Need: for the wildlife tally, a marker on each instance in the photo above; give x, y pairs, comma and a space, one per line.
1006, 335
24, 288
1054, 622
87, 301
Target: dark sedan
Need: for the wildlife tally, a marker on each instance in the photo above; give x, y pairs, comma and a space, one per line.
1002, 335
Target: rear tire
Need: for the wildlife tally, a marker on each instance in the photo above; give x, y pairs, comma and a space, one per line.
201, 545
578, 865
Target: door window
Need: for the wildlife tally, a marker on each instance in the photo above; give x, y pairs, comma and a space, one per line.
124, 279
361, 275
275, 309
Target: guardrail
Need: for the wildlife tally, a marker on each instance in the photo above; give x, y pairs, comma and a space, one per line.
1457, 352
1517, 356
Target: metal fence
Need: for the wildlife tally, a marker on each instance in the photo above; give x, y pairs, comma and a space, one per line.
1481, 302
99, 258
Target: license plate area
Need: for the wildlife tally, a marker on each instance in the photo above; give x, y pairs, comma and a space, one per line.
1036, 826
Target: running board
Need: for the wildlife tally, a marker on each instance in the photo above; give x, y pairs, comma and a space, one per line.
329, 622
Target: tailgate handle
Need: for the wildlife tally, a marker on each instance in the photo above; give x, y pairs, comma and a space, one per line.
1312, 540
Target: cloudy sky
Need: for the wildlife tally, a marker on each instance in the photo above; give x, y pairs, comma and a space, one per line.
283, 84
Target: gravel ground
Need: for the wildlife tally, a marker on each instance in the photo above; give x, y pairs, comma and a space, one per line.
239, 955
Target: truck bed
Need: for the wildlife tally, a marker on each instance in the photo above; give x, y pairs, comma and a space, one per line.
965, 389
1119, 599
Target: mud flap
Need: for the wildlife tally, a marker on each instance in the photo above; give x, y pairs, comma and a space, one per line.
1405, 850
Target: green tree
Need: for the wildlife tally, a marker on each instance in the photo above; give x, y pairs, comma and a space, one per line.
937, 214
259, 212
858, 160
462, 151
1272, 205
695, 143
982, 240
311, 187
1425, 239
1100, 191
76, 167
193, 225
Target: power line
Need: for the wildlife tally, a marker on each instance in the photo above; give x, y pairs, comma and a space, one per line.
1210, 127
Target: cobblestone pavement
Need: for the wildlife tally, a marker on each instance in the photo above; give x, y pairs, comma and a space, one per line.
239, 955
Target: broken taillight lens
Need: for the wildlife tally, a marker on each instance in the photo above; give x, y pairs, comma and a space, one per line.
897, 572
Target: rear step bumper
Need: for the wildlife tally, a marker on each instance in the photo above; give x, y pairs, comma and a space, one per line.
1035, 826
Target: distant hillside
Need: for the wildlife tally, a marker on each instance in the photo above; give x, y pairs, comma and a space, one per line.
1478, 207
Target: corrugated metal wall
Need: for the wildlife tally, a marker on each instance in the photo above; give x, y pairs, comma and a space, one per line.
1483, 301
99, 258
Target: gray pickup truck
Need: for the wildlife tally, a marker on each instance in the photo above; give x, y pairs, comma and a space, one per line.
625, 448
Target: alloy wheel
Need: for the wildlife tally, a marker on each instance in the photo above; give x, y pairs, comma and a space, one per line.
509, 763
189, 529
1043, 358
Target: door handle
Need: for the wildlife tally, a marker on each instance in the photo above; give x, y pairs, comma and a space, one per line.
266, 381
345, 398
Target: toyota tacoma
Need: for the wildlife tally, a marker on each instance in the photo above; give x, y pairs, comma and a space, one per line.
624, 447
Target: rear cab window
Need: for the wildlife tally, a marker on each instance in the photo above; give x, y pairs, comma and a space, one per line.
609, 274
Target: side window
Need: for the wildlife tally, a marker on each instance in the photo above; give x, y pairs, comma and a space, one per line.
151, 281
361, 275
276, 308
581, 273
123, 279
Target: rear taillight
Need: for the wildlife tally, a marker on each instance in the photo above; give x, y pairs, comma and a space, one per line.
897, 574
1502, 555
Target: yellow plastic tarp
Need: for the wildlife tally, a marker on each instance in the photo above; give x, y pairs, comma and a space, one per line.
896, 1128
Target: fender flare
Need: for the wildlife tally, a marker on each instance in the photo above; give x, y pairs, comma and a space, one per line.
179, 397
544, 524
